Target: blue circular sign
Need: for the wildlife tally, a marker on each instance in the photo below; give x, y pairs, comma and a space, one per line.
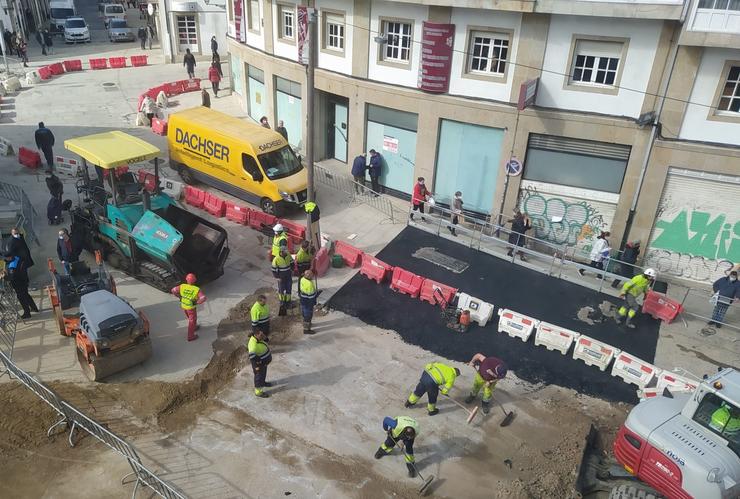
513, 167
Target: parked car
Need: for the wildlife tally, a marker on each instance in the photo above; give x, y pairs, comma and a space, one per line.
119, 31
103, 3
76, 30
113, 11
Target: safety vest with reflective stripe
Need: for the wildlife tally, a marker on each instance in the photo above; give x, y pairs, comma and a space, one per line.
188, 296
307, 289
258, 350
636, 286
282, 265
442, 374
723, 421
260, 314
302, 256
313, 210
277, 242
403, 422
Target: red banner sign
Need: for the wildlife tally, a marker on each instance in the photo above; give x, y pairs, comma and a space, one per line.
239, 19
303, 43
436, 57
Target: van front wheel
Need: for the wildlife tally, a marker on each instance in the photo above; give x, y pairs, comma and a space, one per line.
268, 206
185, 175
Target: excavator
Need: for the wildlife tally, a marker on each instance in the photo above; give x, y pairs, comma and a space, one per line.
148, 235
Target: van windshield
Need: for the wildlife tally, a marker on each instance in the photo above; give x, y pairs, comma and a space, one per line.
280, 164
62, 13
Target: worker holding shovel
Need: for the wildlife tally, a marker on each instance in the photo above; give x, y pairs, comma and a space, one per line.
489, 371
435, 375
400, 429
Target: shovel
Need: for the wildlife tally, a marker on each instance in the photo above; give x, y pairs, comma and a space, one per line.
426, 481
508, 416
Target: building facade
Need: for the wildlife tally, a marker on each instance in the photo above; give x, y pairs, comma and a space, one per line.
434, 87
190, 25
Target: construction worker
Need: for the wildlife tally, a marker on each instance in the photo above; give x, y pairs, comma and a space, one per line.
308, 294
279, 240
435, 375
190, 297
314, 215
631, 290
404, 429
260, 357
260, 315
726, 420
303, 257
489, 371
282, 270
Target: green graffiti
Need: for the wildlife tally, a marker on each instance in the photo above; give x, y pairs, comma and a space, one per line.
698, 234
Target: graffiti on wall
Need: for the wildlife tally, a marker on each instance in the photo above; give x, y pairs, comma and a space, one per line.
695, 245
562, 221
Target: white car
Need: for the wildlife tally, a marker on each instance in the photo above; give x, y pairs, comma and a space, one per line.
76, 30
113, 11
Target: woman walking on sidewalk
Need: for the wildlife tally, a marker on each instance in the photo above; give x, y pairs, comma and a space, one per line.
214, 77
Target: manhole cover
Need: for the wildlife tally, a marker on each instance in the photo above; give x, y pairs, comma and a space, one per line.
109, 84
437, 258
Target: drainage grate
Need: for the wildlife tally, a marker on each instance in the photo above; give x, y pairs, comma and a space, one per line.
445, 261
109, 87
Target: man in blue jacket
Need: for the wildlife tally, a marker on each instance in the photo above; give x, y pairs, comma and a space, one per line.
359, 166
727, 290
375, 169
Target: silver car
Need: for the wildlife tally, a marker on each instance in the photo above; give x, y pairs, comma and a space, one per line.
118, 31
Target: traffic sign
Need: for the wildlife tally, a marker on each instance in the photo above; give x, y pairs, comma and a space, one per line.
513, 167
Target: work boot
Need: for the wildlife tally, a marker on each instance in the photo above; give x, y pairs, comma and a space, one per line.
307, 327
282, 312
433, 412
509, 253
618, 319
380, 453
27, 315
469, 399
629, 323
412, 470
408, 404
486, 407
262, 395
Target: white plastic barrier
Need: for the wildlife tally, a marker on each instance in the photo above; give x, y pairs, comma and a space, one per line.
516, 325
555, 337
675, 382
67, 166
594, 352
6, 148
171, 187
634, 370
480, 311
12, 84
162, 100
648, 393
32, 77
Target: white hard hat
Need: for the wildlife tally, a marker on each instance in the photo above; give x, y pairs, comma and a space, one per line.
278, 228
650, 273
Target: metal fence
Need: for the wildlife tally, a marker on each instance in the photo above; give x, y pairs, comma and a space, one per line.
355, 192
8, 319
73, 419
28, 213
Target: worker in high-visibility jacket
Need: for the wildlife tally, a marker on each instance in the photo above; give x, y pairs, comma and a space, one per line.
631, 290
260, 356
260, 315
308, 294
435, 375
314, 215
282, 270
400, 429
279, 240
726, 420
303, 257
190, 297
489, 371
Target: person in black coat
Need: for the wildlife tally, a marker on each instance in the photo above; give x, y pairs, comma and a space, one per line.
16, 274
18, 247
629, 257
66, 250
45, 141
520, 224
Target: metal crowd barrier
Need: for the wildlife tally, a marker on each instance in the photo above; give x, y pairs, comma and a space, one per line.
8, 320
28, 212
354, 191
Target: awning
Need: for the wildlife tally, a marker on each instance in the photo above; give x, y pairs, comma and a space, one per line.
112, 149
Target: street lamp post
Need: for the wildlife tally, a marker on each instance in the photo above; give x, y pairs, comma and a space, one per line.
310, 91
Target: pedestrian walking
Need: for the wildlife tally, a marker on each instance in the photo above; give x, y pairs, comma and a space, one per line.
149, 108
48, 41
282, 270
282, 130
359, 166
214, 45
66, 251
151, 35
419, 195
141, 33
456, 212
726, 291
599, 253
190, 297
260, 315
16, 274
400, 429
260, 357
489, 371
520, 224
40, 40
189, 63
23, 51
376, 169
205, 98
9, 42
308, 296
264, 122
303, 257
55, 186
629, 257
631, 290
214, 78
435, 375
215, 58
45, 142
18, 247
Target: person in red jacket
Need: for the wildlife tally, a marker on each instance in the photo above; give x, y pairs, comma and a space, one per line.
419, 197
214, 77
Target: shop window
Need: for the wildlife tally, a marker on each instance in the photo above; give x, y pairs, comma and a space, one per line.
729, 100
286, 19
187, 32
254, 15
720, 4
488, 53
596, 63
333, 31
397, 48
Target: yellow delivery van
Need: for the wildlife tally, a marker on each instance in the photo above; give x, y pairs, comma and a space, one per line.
243, 159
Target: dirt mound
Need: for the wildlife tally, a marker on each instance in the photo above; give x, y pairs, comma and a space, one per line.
25, 418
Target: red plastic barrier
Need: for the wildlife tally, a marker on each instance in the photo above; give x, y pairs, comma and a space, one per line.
194, 196
352, 256
138, 60
406, 282
191, 85
259, 220
159, 126
172, 88
72, 65
44, 73
147, 179
320, 263
117, 62
427, 291
659, 306
99, 63
214, 205
57, 68
294, 229
237, 213
29, 157
374, 269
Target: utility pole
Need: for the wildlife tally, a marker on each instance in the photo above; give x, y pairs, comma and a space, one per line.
310, 90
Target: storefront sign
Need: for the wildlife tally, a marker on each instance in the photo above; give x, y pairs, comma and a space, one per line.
527, 94
303, 41
436, 57
390, 144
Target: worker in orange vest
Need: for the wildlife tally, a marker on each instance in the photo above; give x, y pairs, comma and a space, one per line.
190, 297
